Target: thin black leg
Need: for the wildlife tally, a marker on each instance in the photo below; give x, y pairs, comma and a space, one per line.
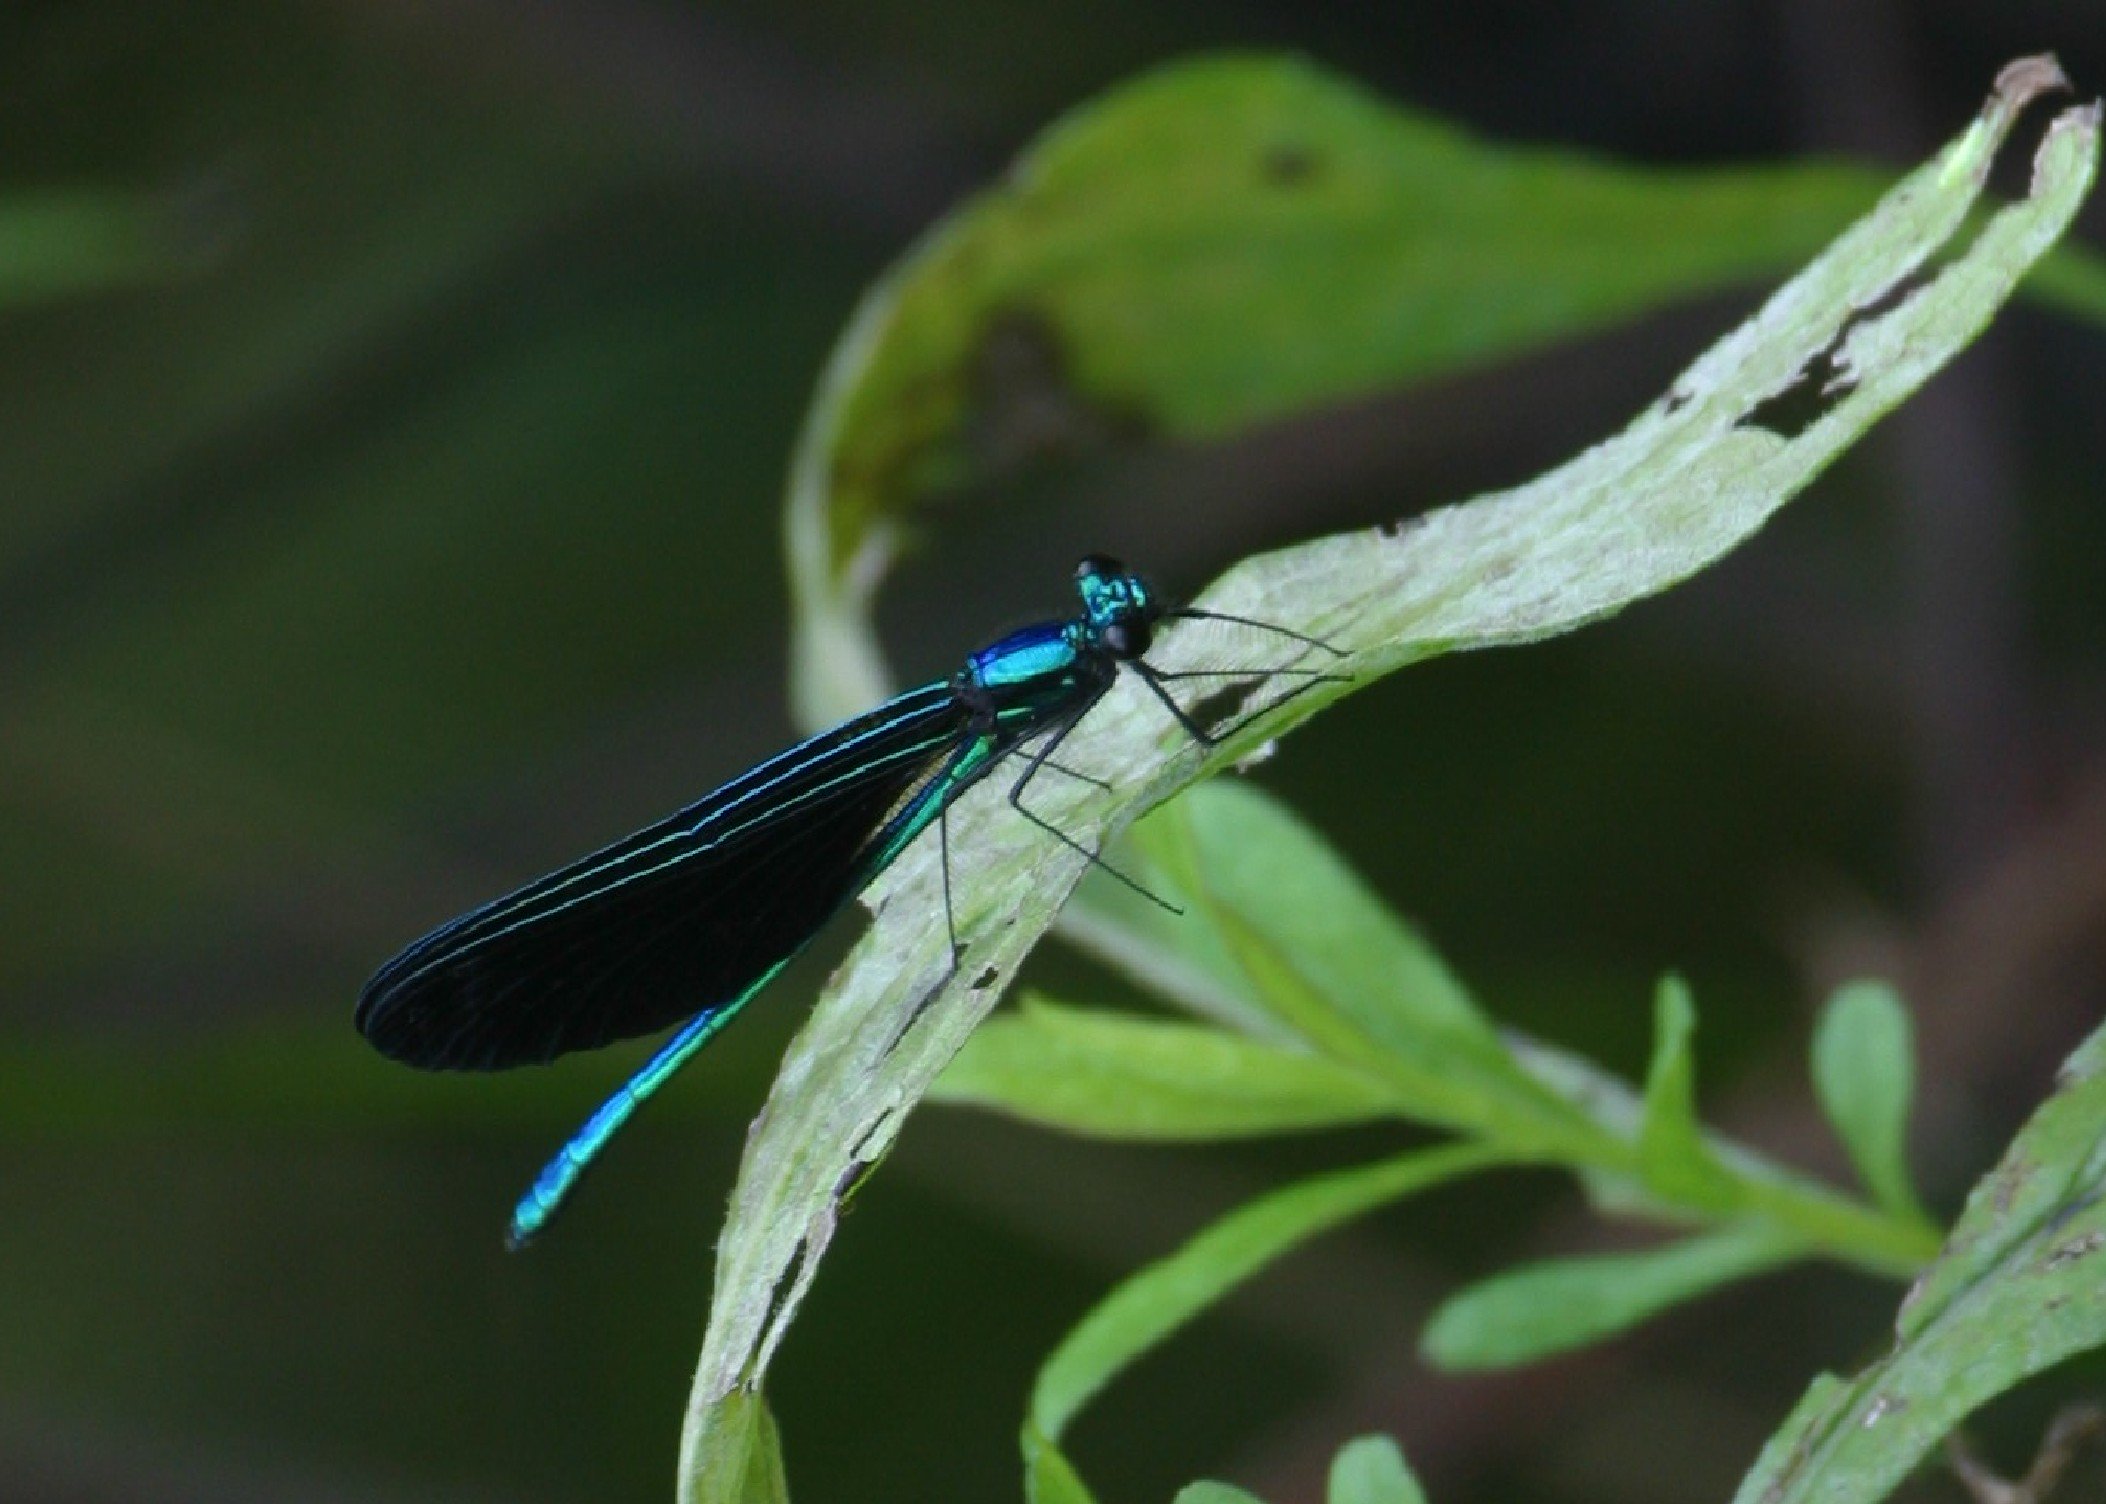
1188, 614
1167, 675
1041, 757
1078, 775
943, 848
1155, 681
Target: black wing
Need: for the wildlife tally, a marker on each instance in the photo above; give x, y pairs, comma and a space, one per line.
678, 919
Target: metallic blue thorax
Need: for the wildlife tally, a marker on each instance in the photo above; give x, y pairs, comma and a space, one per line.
1029, 656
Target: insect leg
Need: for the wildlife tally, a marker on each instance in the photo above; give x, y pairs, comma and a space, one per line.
1188, 614
1155, 680
1041, 757
950, 916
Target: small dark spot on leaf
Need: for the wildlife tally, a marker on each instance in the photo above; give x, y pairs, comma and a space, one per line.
986, 979
1289, 163
2009, 1181
1677, 399
2073, 1250
1398, 527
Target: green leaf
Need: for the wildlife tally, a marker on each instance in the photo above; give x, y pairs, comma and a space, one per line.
1310, 953
743, 1463
1372, 1470
65, 242
1864, 1072
2020, 1287
1795, 1205
1214, 244
1560, 1304
1314, 946
2071, 279
1049, 1478
1120, 1076
1691, 478
1677, 1164
1150, 1305
1215, 1493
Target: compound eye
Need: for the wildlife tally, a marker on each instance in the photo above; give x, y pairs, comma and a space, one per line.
1098, 566
1126, 639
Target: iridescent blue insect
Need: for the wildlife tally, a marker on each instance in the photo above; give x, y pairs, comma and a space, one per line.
684, 922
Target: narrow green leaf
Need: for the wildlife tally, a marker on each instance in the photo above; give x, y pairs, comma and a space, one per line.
1150, 1305
2020, 1287
1207, 1492
1275, 915
1690, 479
1560, 1304
1372, 1470
1120, 1076
1303, 929
1049, 1478
1678, 1166
743, 1463
1797, 1206
1864, 1070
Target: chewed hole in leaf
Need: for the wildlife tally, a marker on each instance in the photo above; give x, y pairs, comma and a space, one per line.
1826, 379
2011, 169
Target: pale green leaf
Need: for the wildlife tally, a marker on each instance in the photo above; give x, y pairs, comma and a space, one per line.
1864, 1071
1690, 479
1560, 1304
1208, 1492
1150, 1305
1677, 1165
2020, 1287
1372, 1470
1120, 1076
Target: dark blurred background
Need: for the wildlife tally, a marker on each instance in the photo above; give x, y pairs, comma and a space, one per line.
405, 520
